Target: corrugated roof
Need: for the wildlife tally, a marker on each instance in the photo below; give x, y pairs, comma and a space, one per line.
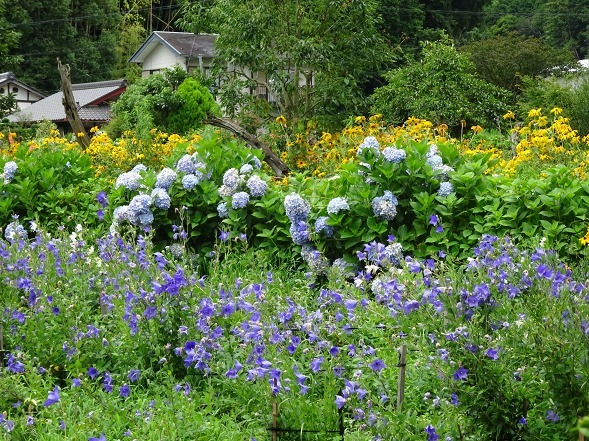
185, 44
51, 108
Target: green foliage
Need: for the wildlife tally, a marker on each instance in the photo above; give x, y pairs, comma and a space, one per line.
170, 101
503, 60
81, 34
298, 51
8, 104
53, 187
197, 104
442, 88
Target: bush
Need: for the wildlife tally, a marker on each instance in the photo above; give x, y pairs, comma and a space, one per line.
443, 88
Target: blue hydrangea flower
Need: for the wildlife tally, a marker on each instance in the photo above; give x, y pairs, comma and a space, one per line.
394, 155
299, 231
371, 143
161, 198
190, 181
297, 209
225, 191
9, 171
144, 219
186, 164
140, 204
317, 263
257, 186
240, 200
222, 210
336, 205
434, 161
385, 206
121, 214
245, 169
321, 226
256, 162
139, 168
130, 180
14, 232
446, 188
165, 178
231, 178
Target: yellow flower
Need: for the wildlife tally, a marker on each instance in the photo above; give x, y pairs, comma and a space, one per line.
476, 129
535, 112
509, 115
281, 120
556, 111
80, 135
360, 119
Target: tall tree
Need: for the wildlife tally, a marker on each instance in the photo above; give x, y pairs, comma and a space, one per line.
312, 55
81, 34
9, 39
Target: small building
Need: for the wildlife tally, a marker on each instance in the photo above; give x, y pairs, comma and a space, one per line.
163, 50
93, 99
25, 95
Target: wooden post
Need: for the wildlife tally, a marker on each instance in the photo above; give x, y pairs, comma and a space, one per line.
70, 105
581, 437
274, 420
1, 346
401, 381
272, 159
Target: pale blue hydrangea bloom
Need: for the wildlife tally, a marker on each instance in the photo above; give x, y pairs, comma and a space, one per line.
186, 164
297, 209
14, 232
257, 186
165, 178
434, 161
130, 180
256, 162
299, 231
139, 204
370, 142
245, 169
446, 188
161, 198
385, 206
336, 205
121, 214
139, 168
321, 226
240, 200
9, 171
394, 155
225, 191
222, 210
231, 178
144, 219
316, 261
189, 181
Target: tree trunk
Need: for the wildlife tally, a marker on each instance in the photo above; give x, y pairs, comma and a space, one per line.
272, 159
70, 106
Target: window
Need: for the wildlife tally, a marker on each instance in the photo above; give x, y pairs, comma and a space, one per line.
15, 90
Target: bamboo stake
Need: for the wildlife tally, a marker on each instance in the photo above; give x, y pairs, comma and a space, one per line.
1, 346
401, 381
274, 417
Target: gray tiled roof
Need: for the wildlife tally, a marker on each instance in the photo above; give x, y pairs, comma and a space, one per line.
182, 43
87, 95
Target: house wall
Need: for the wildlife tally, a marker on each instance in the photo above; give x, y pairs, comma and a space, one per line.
161, 58
24, 97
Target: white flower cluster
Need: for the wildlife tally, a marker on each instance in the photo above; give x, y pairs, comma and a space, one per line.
10, 169
336, 205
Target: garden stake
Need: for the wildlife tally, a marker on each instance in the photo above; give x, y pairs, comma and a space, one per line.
340, 411
1, 346
274, 417
103, 306
401, 382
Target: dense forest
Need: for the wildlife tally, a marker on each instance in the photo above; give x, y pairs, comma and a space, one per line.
352, 47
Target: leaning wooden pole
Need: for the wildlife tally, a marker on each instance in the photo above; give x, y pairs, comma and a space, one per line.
272, 159
70, 106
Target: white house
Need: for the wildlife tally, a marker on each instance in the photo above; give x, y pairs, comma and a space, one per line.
25, 95
164, 50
